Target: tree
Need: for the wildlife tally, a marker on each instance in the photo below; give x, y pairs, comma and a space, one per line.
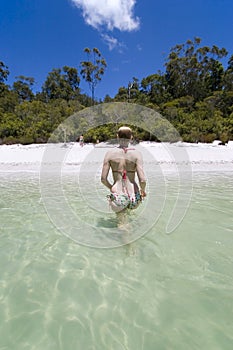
193, 70
133, 89
23, 88
155, 87
122, 94
93, 69
61, 84
10, 125
4, 72
214, 76
108, 98
228, 76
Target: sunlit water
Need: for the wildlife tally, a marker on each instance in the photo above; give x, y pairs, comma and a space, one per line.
163, 291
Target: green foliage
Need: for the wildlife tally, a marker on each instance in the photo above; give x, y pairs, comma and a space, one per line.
194, 93
61, 84
193, 70
108, 133
8, 101
10, 128
93, 69
4, 72
23, 88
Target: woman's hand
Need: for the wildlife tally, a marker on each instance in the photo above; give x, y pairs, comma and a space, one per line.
142, 193
113, 189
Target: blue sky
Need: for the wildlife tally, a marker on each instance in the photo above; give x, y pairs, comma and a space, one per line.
134, 36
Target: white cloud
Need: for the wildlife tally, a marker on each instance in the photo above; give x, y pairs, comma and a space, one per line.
112, 14
112, 42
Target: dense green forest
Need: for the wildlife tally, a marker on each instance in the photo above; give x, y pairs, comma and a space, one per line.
194, 93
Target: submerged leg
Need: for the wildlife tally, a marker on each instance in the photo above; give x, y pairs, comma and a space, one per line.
122, 220
125, 228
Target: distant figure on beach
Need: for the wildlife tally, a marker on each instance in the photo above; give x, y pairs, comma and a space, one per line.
124, 162
81, 140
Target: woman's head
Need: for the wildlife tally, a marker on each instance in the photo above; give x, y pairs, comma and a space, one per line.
124, 132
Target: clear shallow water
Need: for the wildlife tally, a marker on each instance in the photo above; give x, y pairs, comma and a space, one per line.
164, 291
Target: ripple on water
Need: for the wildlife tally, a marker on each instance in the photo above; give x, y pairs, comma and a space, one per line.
162, 291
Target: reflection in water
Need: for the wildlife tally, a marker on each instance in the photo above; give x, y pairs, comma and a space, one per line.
160, 292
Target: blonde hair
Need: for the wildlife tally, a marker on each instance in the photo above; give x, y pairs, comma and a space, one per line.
124, 132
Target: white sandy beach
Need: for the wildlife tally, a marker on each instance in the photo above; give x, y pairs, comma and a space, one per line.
202, 157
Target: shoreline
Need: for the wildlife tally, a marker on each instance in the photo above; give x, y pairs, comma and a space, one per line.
200, 157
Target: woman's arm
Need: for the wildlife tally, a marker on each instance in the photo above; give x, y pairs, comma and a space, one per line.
105, 171
141, 175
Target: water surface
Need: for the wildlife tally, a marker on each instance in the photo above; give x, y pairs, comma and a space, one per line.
163, 291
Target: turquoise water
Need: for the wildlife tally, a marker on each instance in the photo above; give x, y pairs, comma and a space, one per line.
163, 291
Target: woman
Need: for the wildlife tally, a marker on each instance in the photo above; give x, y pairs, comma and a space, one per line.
124, 162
